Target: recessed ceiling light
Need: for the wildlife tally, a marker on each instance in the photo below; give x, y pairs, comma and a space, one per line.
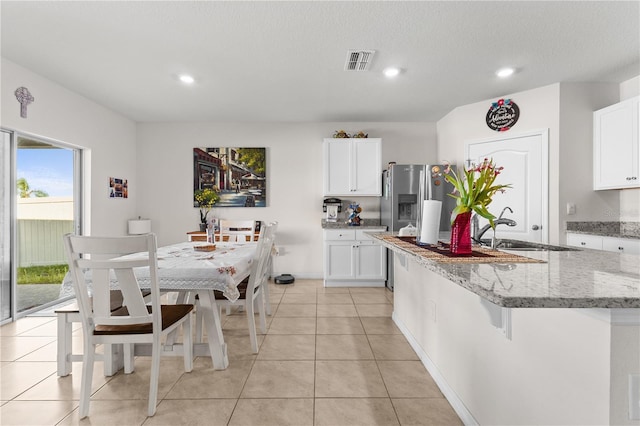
186, 79
391, 72
505, 72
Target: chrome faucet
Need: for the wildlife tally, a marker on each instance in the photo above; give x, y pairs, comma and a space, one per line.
477, 234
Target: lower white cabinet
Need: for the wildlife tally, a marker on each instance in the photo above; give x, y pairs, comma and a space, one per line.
352, 259
596, 242
621, 245
585, 241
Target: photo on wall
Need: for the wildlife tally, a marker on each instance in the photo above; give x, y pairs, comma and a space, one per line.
238, 175
118, 188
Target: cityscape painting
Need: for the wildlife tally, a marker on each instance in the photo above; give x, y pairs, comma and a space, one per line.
237, 175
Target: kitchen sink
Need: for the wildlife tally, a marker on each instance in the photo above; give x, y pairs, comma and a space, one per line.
525, 246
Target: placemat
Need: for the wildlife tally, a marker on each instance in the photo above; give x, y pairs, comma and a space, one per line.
441, 253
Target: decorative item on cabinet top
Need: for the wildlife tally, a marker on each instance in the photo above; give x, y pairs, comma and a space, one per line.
341, 134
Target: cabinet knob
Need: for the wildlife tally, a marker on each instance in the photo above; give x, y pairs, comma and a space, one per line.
621, 248
535, 227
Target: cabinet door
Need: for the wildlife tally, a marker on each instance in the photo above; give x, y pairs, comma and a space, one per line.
585, 241
337, 167
352, 167
366, 174
338, 260
371, 261
621, 245
616, 154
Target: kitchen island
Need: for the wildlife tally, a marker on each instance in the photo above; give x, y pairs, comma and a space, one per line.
554, 339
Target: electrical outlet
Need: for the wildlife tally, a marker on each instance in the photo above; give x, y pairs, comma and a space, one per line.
571, 208
634, 396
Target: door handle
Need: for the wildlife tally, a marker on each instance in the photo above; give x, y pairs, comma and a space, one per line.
535, 227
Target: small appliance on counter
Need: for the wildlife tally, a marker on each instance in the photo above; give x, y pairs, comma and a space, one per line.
332, 206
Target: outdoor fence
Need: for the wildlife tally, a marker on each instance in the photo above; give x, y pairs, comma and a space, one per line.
40, 242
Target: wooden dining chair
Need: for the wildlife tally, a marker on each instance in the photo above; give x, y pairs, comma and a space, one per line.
97, 259
237, 230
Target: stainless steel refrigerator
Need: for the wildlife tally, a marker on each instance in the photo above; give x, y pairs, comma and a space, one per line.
402, 189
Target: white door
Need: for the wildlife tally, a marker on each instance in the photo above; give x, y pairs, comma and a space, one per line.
525, 160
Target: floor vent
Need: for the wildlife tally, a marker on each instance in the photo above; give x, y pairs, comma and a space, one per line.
359, 60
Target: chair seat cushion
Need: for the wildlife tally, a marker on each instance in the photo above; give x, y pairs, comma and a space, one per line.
116, 302
171, 314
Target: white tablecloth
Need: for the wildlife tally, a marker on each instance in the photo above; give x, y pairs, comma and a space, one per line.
181, 268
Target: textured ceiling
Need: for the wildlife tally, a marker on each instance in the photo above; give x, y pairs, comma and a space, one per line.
284, 61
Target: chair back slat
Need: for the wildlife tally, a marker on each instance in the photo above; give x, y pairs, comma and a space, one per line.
260, 265
99, 259
237, 230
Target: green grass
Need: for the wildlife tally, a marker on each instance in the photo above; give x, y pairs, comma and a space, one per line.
50, 274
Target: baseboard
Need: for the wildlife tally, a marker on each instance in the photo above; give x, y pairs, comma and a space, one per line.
353, 283
457, 404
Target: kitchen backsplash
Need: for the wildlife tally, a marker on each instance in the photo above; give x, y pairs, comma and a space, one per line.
627, 229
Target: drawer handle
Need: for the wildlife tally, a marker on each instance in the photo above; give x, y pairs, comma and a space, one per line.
620, 248
583, 243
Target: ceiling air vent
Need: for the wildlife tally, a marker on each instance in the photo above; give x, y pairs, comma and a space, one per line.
359, 60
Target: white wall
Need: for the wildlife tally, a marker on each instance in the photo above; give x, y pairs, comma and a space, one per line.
577, 103
566, 110
61, 115
294, 178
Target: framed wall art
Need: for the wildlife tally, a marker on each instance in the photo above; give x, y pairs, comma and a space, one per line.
118, 188
238, 175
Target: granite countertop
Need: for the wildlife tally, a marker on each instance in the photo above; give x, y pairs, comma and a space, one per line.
606, 229
566, 279
341, 224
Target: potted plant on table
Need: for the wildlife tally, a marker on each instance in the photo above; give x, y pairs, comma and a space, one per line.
473, 193
205, 199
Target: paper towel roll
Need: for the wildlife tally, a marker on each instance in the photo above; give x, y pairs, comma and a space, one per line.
430, 225
139, 226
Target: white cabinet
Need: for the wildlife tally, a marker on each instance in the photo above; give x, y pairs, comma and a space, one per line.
616, 156
352, 259
597, 242
584, 241
621, 245
352, 166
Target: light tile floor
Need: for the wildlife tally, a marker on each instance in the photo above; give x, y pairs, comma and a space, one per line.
331, 356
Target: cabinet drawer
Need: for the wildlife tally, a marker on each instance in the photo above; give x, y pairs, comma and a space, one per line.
621, 245
585, 241
361, 233
339, 234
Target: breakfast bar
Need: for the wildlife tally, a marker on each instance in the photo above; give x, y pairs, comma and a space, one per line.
539, 336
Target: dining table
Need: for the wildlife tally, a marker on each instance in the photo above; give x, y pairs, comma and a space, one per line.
192, 268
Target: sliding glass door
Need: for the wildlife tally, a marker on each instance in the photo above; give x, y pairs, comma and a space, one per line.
5, 227
41, 203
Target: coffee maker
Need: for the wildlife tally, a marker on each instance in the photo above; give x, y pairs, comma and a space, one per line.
332, 206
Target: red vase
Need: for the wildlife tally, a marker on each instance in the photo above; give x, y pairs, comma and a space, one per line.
461, 234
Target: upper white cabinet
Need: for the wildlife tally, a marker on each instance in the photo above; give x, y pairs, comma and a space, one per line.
352, 166
615, 146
